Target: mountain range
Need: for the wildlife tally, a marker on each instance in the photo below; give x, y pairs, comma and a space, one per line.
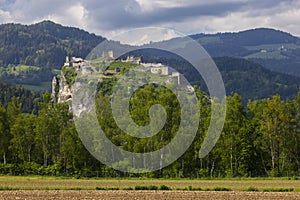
255, 63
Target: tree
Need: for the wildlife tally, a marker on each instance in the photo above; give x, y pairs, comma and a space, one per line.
13, 110
259, 148
295, 150
72, 150
48, 128
4, 133
275, 130
235, 143
23, 132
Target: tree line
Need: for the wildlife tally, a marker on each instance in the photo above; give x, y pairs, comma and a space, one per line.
261, 138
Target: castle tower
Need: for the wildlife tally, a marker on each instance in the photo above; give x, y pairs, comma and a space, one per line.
67, 63
107, 54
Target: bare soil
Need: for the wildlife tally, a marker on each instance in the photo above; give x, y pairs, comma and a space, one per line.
124, 195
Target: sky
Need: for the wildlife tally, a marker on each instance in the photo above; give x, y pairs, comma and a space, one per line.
109, 17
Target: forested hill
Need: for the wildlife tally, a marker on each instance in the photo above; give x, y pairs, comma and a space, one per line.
44, 44
274, 49
247, 78
252, 81
27, 99
251, 37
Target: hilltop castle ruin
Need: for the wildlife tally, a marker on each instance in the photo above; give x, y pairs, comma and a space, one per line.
62, 88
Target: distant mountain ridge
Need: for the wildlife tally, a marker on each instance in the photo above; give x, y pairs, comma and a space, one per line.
46, 44
253, 37
276, 50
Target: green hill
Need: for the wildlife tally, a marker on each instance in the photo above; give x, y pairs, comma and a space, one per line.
274, 49
30, 55
44, 44
252, 81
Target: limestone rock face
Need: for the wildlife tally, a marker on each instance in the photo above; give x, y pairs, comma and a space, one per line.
54, 88
61, 91
65, 91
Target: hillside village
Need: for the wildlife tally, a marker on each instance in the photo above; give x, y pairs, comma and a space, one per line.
62, 84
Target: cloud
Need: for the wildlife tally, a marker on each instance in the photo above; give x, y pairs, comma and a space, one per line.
193, 16
145, 35
132, 13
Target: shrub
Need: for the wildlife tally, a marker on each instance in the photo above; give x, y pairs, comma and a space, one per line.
140, 187
106, 188
164, 187
193, 189
252, 189
221, 189
8, 188
153, 187
279, 190
128, 188
100, 188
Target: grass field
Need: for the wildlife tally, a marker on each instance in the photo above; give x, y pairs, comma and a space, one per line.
37, 187
59, 183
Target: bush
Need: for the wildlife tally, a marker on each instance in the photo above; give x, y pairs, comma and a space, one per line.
279, 190
8, 188
190, 188
151, 187
252, 189
100, 188
140, 187
7, 169
221, 189
113, 188
106, 188
164, 187
69, 74
129, 188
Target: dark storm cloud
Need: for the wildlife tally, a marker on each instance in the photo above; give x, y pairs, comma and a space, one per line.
130, 13
104, 16
259, 7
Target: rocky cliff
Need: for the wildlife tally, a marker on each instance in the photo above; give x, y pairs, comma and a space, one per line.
61, 91
62, 85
